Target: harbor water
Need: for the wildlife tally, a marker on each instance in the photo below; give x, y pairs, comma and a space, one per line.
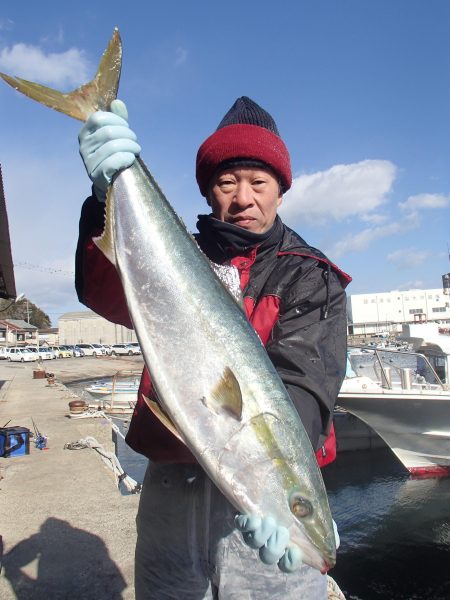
395, 530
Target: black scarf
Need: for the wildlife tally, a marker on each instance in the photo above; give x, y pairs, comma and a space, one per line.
221, 241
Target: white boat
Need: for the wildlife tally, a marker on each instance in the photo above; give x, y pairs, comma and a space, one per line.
405, 398
116, 395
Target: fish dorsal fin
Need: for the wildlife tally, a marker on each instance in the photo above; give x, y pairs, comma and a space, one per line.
226, 396
105, 242
157, 411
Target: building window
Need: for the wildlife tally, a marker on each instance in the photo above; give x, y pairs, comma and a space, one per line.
366, 301
439, 309
416, 311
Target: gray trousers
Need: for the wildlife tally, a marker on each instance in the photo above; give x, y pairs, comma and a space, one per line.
188, 548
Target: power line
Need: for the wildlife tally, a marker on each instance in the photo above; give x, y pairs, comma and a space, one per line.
32, 267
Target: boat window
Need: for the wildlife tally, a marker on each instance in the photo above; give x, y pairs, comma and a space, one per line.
396, 369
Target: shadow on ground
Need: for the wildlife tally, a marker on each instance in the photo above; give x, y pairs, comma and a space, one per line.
68, 563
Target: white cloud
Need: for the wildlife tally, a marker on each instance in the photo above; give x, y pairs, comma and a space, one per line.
340, 192
69, 68
417, 284
43, 227
374, 219
362, 240
408, 258
56, 38
425, 201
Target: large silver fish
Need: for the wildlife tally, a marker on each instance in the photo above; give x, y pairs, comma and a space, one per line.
216, 386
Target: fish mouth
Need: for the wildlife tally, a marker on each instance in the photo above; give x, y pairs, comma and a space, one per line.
326, 567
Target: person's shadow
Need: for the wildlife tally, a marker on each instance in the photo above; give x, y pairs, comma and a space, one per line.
71, 563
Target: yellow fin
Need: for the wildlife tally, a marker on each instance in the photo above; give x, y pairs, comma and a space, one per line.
226, 395
105, 242
157, 411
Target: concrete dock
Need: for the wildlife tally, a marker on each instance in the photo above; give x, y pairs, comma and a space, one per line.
67, 531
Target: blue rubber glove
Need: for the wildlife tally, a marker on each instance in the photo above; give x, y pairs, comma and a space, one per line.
271, 539
107, 145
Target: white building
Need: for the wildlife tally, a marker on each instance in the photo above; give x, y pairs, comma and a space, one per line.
86, 327
385, 312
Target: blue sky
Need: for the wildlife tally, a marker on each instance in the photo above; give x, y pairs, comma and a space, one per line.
359, 89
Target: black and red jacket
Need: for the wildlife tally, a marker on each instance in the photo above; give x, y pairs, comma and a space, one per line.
294, 298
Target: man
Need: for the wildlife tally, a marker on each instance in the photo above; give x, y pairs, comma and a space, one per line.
189, 544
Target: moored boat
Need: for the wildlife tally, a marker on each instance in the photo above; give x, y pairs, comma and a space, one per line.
116, 395
405, 398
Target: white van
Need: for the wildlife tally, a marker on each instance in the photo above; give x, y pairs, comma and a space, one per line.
92, 349
22, 355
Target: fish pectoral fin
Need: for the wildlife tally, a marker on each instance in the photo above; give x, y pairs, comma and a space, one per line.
105, 242
157, 411
226, 396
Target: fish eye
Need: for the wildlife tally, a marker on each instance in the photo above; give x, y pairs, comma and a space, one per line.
300, 507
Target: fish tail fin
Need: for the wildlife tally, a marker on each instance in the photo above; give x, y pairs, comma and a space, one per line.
82, 102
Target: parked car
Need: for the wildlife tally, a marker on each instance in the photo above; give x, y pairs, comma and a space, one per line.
137, 346
61, 352
3, 353
124, 349
107, 348
77, 351
100, 348
92, 349
22, 355
43, 352
64, 347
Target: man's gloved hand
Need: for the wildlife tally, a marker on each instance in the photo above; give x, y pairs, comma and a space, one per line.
107, 145
271, 539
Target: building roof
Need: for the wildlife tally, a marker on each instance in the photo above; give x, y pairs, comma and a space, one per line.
7, 281
18, 324
82, 314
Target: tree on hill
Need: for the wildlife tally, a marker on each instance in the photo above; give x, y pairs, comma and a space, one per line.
26, 311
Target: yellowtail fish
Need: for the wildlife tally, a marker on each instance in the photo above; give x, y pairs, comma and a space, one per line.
216, 386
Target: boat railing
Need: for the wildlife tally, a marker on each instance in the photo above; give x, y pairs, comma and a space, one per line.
124, 375
395, 369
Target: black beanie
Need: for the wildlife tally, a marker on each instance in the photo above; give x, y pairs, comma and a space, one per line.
246, 132
246, 112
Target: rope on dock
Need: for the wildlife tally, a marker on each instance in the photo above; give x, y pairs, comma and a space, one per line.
109, 458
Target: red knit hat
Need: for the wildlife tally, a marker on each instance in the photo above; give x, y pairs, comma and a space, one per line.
246, 132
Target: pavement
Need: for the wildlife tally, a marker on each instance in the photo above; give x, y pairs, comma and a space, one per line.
67, 531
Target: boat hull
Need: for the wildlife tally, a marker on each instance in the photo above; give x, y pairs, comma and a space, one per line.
414, 425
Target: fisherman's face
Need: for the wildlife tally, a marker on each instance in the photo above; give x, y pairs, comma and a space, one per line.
246, 197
